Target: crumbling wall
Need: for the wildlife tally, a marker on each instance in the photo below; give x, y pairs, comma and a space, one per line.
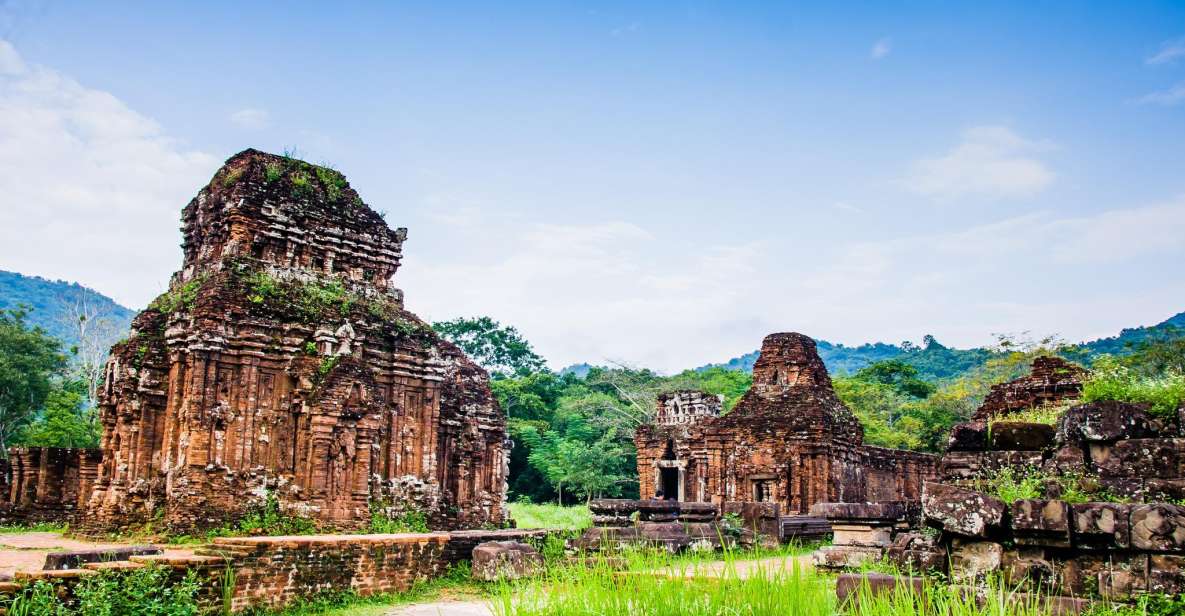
788, 441
281, 364
46, 484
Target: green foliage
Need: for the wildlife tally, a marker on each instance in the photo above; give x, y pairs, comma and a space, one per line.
902, 377
498, 348
181, 297
1045, 414
413, 521
332, 181
1113, 380
302, 185
310, 348
272, 172
231, 177
327, 365
29, 360
316, 301
65, 421
149, 591
266, 519
1010, 485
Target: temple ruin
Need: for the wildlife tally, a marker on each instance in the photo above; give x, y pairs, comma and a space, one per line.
789, 441
281, 365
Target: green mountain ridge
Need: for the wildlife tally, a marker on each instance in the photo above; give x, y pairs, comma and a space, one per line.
50, 302
935, 361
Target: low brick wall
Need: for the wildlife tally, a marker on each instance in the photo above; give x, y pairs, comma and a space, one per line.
274, 571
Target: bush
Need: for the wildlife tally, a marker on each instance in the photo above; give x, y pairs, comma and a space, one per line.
150, 591
1111, 380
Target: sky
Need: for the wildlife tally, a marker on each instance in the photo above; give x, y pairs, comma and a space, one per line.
654, 184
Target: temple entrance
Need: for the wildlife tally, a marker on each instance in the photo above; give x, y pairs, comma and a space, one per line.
669, 481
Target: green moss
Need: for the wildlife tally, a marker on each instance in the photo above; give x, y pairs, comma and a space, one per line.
272, 172
302, 185
231, 177
332, 182
310, 348
180, 297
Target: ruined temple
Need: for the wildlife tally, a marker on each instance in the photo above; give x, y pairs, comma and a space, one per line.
281, 366
1051, 381
788, 441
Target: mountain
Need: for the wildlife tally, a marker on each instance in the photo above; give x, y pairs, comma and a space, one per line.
935, 361
52, 302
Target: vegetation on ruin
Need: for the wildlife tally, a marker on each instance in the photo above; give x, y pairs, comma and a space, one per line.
180, 297
148, 591
1011, 484
1127, 381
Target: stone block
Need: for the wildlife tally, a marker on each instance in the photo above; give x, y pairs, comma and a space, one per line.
973, 560
957, 465
846, 556
874, 584
1101, 526
1020, 436
1066, 460
1166, 574
1162, 458
861, 534
1028, 566
1126, 488
970, 436
886, 512
1104, 422
1164, 489
961, 511
916, 552
75, 559
1158, 527
505, 560
1041, 522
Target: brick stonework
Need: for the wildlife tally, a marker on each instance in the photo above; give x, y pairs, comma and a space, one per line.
46, 484
789, 440
331, 396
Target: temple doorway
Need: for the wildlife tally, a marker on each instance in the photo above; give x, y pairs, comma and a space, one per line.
669, 482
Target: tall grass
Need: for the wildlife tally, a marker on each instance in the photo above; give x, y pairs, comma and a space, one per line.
530, 515
1111, 380
789, 588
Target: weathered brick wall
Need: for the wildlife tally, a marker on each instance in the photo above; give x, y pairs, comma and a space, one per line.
789, 441
46, 484
271, 572
282, 359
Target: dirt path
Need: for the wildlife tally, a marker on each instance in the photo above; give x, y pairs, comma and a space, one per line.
26, 551
444, 608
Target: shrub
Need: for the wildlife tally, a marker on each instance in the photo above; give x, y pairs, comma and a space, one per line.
1111, 380
413, 521
150, 591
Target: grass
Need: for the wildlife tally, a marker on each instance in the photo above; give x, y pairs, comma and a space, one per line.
40, 527
1044, 414
1111, 380
531, 515
789, 589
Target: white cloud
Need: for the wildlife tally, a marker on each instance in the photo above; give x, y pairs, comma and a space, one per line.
251, 119
1169, 97
10, 61
600, 292
92, 190
1168, 52
625, 29
880, 49
991, 161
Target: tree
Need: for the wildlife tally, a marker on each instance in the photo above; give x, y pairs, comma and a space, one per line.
897, 374
94, 326
66, 421
498, 348
29, 359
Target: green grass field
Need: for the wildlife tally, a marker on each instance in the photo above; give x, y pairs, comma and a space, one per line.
530, 515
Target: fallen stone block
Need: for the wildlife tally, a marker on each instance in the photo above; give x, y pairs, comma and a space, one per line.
1041, 522
505, 560
1158, 527
961, 511
1101, 526
1104, 422
1028, 566
1115, 575
846, 556
75, 559
970, 436
1166, 574
1020, 436
1161, 458
917, 552
957, 465
851, 585
974, 560
1053, 605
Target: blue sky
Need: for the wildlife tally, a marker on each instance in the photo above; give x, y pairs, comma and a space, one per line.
654, 184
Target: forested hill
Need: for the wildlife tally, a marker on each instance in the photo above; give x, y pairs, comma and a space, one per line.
935, 361
51, 304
